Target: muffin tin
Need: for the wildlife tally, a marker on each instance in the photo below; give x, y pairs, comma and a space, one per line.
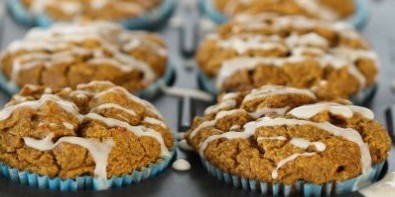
197, 182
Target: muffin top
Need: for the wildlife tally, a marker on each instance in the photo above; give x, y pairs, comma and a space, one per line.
97, 129
283, 135
320, 9
332, 59
91, 9
66, 55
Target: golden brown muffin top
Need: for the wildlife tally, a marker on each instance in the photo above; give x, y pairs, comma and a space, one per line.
251, 51
283, 135
66, 55
97, 129
91, 9
320, 9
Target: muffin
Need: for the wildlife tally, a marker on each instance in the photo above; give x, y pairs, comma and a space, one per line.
66, 55
331, 59
96, 131
279, 140
320, 9
67, 10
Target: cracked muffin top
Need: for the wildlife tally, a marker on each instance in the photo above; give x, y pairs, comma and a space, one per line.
332, 59
97, 129
320, 9
66, 55
282, 135
91, 9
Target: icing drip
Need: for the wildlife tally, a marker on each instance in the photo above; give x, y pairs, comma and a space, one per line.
130, 96
155, 121
318, 9
97, 149
235, 127
270, 90
288, 159
76, 8
242, 43
347, 111
114, 106
61, 42
65, 105
68, 125
222, 114
298, 45
250, 128
263, 111
279, 138
228, 101
304, 144
230, 67
138, 131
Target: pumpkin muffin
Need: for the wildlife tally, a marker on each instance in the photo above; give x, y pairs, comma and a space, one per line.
283, 135
332, 59
320, 9
97, 129
66, 55
91, 9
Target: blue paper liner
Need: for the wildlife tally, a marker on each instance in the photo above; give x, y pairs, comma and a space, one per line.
300, 187
358, 20
362, 98
150, 92
152, 19
85, 182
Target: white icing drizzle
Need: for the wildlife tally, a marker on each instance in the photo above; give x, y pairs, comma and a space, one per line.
114, 106
279, 138
318, 9
347, 111
250, 128
65, 105
304, 144
235, 127
311, 39
234, 65
288, 159
228, 101
154, 121
77, 9
63, 37
181, 165
137, 130
298, 142
297, 44
97, 149
271, 90
263, 111
130, 96
242, 43
222, 114
68, 125
311, 6
183, 144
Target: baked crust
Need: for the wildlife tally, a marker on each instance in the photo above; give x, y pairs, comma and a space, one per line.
66, 55
250, 51
282, 135
99, 113
92, 9
320, 9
